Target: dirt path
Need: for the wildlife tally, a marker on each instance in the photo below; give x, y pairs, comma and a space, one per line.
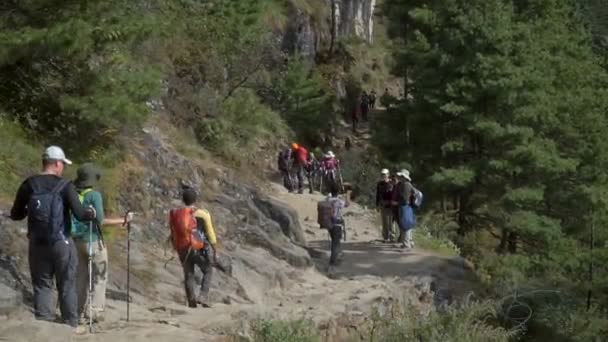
371, 275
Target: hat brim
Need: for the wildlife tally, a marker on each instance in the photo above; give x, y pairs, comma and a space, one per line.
67, 161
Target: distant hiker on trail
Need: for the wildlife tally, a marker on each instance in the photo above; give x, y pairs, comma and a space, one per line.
364, 106
385, 99
406, 196
49, 201
354, 118
313, 169
300, 161
330, 217
91, 243
284, 165
194, 240
384, 193
394, 195
330, 166
372, 99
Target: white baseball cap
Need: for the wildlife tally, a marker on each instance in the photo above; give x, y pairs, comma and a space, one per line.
405, 174
384, 172
55, 153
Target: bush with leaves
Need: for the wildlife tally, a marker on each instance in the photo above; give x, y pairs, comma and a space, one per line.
68, 70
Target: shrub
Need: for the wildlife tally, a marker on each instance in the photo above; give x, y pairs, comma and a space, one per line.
19, 157
466, 322
285, 331
242, 128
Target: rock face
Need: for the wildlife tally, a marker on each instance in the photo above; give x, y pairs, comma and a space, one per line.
308, 30
355, 17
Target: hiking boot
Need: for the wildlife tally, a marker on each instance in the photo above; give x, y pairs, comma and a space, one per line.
300, 191
204, 301
192, 305
79, 330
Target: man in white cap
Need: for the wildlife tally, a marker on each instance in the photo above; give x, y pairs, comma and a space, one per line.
402, 198
48, 201
384, 194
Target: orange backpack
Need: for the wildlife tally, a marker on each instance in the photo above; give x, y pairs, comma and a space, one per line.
184, 231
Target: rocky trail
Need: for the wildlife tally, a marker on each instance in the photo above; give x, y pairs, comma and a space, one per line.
372, 275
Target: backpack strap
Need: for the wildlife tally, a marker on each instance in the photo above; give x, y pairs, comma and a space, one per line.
62, 183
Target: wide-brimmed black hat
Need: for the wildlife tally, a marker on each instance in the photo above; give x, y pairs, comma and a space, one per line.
87, 176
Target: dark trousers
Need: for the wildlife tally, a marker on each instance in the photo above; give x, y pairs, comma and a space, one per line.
287, 180
299, 170
49, 264
335, 234
396, 217
200, 258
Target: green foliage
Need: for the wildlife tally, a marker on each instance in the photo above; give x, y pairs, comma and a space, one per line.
243, 125
470, 321
303, 98
435, 234
279, 331
504, 124
19, 157
68, 69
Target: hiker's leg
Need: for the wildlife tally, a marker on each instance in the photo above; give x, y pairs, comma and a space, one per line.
300, 178
41, 271
100, 279
204, 263
386, 221
82, 277
189, 280
310, 181
66, 262
335, 234
409, 236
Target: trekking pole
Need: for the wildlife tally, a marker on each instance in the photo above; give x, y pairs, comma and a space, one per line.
90, 248
128, 265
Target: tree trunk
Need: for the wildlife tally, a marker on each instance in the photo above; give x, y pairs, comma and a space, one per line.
502, 248
512, 242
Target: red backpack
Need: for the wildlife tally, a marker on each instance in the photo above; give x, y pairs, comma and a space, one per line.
184, 229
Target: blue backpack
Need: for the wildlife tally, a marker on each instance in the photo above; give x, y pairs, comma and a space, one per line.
45, 221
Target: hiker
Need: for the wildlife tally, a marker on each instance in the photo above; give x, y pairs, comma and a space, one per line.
284, 165
193, 238
384, 193
330, 165
300, 161
330, 218
386, 98
372, 99
364, 106
395, 208
49, 201
90, 243
403, 199
354, 118
313, 168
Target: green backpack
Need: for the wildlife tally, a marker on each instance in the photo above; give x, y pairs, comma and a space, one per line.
80, 230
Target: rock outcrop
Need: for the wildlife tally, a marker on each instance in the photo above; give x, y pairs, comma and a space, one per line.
310, 28
355, 17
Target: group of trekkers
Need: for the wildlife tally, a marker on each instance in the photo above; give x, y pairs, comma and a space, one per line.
396, 199
66, 244
296, 162
367, 102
